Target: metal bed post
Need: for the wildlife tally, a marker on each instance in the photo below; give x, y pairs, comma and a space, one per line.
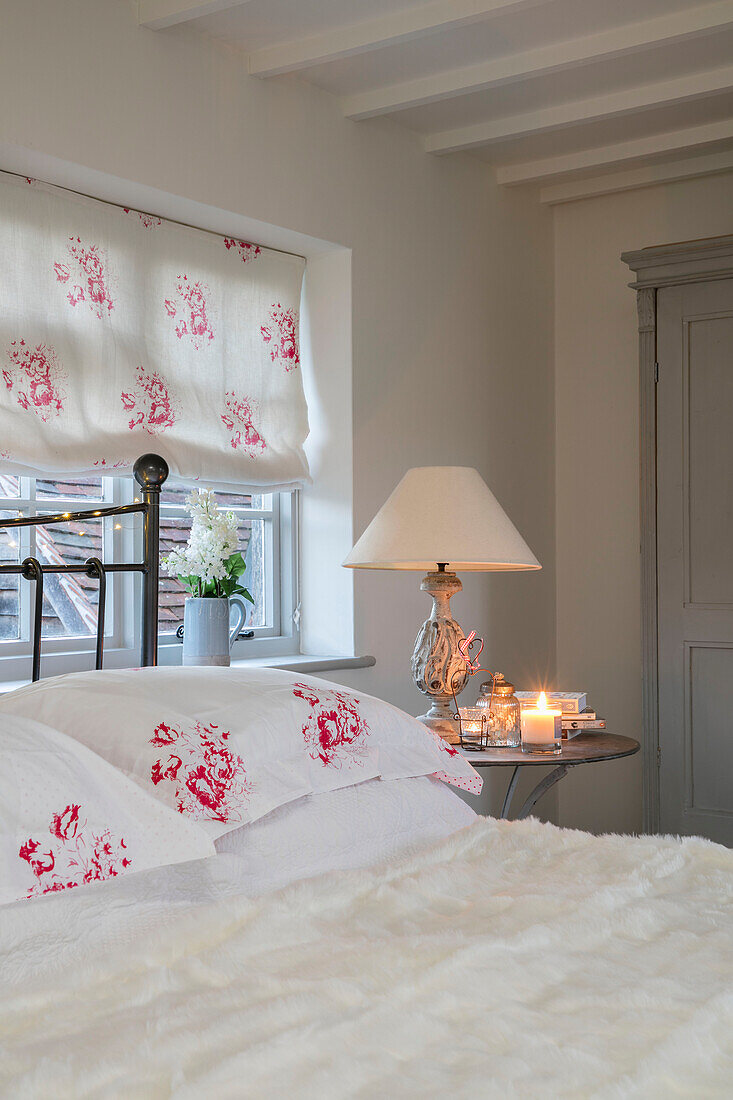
150, 472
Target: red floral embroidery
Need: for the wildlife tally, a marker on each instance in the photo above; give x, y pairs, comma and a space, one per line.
74, 855
148, 220
191, 308
210, 780
335, 731
245, 250
151, 403
282, 334
240, 411
472, 783
89, 266
37, 378
110, 465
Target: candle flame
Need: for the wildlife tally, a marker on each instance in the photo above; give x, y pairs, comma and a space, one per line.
542, 701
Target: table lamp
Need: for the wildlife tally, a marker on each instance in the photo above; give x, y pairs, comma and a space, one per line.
440, 517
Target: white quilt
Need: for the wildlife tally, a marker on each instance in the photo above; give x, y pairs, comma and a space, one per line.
510, 960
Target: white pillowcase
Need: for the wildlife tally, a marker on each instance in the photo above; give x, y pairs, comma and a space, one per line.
226, 746
68, 818
341, 830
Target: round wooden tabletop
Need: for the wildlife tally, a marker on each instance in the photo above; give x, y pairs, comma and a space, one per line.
586, 748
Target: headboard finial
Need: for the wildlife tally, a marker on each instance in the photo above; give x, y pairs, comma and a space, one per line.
150, 471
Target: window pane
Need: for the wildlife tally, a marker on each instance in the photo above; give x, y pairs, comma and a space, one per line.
9, 585
82, 488
9, 485
174, 532
177, 495
69, 600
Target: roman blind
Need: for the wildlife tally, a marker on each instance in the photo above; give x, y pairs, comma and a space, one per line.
121, 332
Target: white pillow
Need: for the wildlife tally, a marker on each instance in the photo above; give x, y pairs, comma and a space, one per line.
68, 818
226, 746
341, 830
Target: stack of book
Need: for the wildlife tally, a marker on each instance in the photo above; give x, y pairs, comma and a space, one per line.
577, 716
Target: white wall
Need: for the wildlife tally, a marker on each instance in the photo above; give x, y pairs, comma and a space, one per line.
451, 291
597, 464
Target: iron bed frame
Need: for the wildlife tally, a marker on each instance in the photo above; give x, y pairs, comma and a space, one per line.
150, 472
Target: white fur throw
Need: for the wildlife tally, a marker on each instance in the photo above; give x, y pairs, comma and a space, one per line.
511, 960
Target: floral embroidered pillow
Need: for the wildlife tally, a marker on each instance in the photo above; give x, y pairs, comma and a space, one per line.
226, 746
70, 819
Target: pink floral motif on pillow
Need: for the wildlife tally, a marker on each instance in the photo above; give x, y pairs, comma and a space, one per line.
281, 336
470, 783
210, 781
37, 379
335, 731
73, 854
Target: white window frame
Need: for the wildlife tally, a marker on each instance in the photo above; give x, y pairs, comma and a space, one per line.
123, 621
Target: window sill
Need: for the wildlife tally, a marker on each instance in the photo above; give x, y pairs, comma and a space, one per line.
296, 662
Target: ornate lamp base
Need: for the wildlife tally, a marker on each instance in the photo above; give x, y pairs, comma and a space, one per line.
436, 661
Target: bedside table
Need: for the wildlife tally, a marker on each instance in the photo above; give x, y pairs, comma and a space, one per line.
587, 748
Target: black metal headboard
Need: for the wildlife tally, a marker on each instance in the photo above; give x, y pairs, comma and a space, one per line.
150, 473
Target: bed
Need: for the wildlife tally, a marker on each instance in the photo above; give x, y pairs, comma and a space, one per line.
249, 883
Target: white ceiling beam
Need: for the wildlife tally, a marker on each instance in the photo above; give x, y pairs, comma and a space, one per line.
615, 156
628, 101
388, 30
158, 14
560, 57
650, 176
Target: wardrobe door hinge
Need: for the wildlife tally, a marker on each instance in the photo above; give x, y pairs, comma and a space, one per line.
656, 372
659, 756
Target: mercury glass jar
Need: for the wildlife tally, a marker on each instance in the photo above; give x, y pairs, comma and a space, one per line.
504, 722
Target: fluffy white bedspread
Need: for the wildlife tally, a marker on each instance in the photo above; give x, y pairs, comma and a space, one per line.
511, 960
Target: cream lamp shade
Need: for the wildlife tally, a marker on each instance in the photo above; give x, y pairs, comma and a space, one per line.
442, 515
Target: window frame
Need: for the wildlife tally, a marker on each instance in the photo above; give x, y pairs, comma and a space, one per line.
123, 618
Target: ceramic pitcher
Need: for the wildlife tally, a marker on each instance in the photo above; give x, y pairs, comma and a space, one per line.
209, 629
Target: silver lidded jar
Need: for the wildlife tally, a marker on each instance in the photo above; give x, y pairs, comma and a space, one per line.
504, 720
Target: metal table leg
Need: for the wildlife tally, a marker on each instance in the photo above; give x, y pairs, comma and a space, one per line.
510, 792
542, 788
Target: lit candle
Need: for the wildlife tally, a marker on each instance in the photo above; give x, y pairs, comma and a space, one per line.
541, 727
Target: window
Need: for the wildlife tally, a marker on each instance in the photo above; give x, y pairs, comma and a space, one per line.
268, 539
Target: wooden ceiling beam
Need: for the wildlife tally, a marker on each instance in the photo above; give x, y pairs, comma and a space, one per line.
388, 30
159, 14
690, 168
662, 93
610, 157
632, 38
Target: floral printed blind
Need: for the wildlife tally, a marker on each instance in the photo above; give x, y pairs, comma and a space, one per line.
122, 333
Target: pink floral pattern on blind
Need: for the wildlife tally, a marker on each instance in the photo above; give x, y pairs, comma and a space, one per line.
209, 780
281, 334
334, 732
150, 402
148, 221
37, 378
190, 308
238, 420
73, 854
88, 265
246, 251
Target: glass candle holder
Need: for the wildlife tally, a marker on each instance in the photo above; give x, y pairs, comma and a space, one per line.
542, 728
501, 705
473, 727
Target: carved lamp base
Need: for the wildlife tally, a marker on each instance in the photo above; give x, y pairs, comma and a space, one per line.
436, 661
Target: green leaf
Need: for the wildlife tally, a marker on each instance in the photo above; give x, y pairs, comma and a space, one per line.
236, 565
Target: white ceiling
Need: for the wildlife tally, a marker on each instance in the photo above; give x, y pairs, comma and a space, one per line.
548, 91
